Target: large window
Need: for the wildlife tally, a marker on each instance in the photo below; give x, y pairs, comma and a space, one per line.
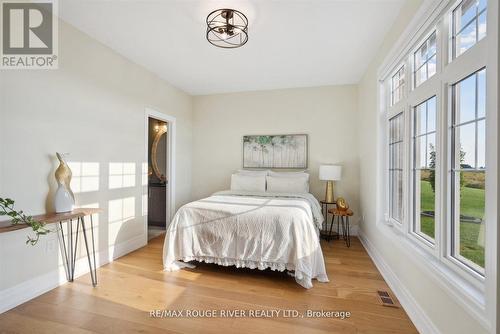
396, 128
398, 85
441, 189
468, 158
424, 60
469, 25
424, 169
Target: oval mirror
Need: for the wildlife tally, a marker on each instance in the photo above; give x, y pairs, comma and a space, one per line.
158, 152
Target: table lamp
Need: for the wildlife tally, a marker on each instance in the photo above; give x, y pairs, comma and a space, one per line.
329, 173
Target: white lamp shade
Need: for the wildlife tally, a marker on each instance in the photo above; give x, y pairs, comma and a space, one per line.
330, 172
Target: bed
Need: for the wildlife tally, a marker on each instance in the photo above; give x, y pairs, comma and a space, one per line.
246, 229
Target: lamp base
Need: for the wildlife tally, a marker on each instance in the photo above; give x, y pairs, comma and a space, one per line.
329, 192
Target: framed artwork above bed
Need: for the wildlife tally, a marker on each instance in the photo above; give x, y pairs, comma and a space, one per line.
275, 151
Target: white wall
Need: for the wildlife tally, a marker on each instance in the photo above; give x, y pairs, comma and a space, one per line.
440, 308
93, 107
327, 114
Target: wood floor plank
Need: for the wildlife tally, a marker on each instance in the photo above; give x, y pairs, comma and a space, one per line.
135, 284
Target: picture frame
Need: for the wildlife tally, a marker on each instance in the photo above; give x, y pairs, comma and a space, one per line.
278, 151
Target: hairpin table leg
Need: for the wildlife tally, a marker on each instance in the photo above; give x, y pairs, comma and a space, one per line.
64, 251
94, 279
76, 247
348, 235
93, 247
331, 228
338, 227
342, 226
70, 247
346, 231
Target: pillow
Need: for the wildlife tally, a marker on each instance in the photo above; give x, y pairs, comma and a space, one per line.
289, 174
287, 184
248, 182
253, 172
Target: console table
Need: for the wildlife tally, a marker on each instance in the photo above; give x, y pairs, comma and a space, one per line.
68, 245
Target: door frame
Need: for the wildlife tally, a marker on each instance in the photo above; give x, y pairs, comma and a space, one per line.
152, 112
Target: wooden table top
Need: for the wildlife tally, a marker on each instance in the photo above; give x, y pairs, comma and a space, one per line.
49, 218
338, 212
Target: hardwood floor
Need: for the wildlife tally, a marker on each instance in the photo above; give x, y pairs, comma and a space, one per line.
135, 284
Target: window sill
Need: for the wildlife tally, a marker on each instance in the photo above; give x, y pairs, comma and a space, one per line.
466, 294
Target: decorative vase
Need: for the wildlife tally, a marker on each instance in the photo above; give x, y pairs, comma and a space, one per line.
64, 199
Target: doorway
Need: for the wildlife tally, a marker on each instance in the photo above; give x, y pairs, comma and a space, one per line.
160, 131
157, 179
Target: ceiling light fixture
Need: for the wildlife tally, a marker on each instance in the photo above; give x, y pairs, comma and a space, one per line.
227, 28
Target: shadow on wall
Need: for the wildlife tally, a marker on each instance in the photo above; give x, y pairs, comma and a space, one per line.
117, 188
51, 181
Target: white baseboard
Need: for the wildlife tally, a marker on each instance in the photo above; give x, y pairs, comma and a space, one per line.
420, 319
21, 293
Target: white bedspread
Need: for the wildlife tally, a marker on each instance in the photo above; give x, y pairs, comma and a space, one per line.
252, 230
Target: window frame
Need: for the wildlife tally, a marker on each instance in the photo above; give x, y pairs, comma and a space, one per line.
414, 69
452, 252
402, 68
433, 86
418, 235
393, 111
475, 293
454, 33
428, 89
390, 218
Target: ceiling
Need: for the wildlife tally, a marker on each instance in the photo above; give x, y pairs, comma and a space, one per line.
294, 43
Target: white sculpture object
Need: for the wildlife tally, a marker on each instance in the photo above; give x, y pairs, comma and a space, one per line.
64, 199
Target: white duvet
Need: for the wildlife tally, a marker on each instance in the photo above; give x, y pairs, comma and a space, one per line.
252, 230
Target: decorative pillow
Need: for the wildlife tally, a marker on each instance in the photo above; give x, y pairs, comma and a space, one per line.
289, 174
248, 182
282, 184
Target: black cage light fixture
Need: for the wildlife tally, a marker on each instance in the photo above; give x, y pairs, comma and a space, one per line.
227, 28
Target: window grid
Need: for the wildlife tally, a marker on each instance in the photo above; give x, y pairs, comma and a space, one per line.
396, 140
426, 45
423, 57
474, 20
423, 134
398, 85
458, 168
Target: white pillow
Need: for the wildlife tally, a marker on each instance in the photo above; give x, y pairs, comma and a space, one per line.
253, 172
287, 184
248, 182
289, 174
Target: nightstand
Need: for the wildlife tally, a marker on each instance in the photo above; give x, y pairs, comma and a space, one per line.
343, 220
